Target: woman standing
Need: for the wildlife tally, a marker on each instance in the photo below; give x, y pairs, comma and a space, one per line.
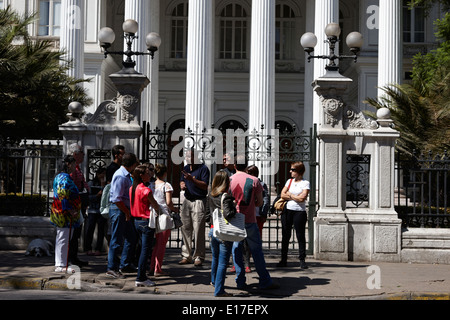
163, 195
142, 202
65, 213
296, 192
221, 250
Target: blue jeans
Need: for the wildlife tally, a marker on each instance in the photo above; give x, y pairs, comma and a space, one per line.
221, 251
123, 240
255, 245
146, 236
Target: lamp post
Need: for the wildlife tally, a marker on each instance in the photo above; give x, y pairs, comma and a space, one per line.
130, 27
354, 41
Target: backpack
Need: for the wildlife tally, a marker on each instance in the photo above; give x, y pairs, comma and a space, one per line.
104, 202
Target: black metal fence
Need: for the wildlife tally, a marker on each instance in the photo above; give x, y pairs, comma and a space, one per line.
423, 190
274, 150
27, 170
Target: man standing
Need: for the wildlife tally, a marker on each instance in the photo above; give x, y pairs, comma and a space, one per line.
247, 191
228, 165
117, 153
194, 182
83, 188
123, 233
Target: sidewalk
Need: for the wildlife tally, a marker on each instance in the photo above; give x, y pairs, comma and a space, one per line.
323, 280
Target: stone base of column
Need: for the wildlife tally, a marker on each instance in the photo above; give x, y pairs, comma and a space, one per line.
357, 237
331, 238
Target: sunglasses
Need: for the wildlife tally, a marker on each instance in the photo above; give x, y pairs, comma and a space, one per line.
293, 169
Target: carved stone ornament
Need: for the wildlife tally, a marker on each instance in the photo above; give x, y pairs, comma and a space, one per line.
354, 119
107, 110
128, 104
332, 109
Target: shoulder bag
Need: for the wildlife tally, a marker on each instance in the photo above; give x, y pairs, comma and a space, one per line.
233, 230
279, 203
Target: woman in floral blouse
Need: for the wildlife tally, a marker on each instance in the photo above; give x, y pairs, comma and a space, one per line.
65, 212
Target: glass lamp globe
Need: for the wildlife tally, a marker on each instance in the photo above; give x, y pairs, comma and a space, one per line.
308, 40
106, 35
130, 26
354, 40
332, 30
153, 40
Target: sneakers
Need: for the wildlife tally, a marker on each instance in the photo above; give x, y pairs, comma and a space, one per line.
232, 269
224, 295
64, 269
248, 270
282, 264
131, 268
146, 283
115, 274
198, 262
303, 264
161, 274
185, 261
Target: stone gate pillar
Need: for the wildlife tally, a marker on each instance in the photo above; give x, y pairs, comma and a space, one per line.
363, 225
114, 122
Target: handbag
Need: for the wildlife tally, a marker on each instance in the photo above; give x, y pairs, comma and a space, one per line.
174, 216
233, 230
163, 222
177, 223
280, 204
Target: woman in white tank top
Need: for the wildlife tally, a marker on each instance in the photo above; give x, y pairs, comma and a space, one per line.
295, 192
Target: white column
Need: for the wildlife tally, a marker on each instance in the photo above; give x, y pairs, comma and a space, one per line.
200, 67
72, 35
153, 69
262, 69
389, 44
262, 65
138, 10
309, 72
326, 11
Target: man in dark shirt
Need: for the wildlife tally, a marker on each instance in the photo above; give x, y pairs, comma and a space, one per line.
194, 182
117, 153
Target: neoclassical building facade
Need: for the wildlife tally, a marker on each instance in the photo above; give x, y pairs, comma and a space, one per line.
233, 63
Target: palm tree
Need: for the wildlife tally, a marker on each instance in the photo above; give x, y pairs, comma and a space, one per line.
421, 109
35, 89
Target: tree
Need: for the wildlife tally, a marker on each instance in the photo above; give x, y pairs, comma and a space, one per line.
428, 4
35, 88
421, 109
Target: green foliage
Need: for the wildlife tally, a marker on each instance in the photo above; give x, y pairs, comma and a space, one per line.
22, 204
421, 109
35, 88
428, 4
425, 66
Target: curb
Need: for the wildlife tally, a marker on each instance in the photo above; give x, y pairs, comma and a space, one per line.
60, 283
419, 296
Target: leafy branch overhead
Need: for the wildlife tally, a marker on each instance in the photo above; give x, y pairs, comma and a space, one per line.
421, 109
35, 88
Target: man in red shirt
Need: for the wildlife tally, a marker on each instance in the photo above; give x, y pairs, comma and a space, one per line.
247, 191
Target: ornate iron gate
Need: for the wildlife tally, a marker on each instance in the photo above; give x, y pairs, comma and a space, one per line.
281, 146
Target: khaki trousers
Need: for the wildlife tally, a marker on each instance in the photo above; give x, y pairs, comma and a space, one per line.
193, 215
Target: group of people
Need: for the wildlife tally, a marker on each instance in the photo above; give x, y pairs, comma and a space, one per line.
136, 194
